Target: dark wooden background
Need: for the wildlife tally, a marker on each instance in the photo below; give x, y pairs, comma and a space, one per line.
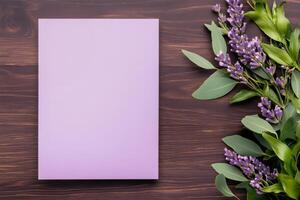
190, 130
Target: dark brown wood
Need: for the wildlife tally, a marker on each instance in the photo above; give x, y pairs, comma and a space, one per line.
190, 130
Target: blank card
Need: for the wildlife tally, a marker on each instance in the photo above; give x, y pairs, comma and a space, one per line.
98, 99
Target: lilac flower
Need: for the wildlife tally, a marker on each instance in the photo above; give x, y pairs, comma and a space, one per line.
235, 71
258, 173
271, 70
281, 82
221, 17
236, 13
216, 8
249, 51
272, 115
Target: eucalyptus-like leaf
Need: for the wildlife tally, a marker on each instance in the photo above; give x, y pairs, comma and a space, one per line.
296, 149
264, 22
297, 177
218, 41
289, 112
262, 141
275, 188
222, 186
257, 124
290, 186
198, 60
294, 44
242, 96
213, 24
243, 146
217, 85
251, 193
288, 129
261, 73
282, 23
278, 55
269, 92
295, 81
282, 151
229, 171
298, 131
296, 104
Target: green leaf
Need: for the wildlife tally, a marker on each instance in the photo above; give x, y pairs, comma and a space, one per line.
229, 171
290, 186
288, 129
296, 149
296, 104
269, 92
213, 25
262, 141
251, 193
257, 124
242, 96
222, 186
198, 60
297, 177
278, 55
217, 85
282, 23
295, 81
261, 73
294, 45
275, 188
298, 131
282, 151
218, 41
262, 20
243, 145
289, 112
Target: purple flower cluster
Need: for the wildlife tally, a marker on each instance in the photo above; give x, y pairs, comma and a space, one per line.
221, 17
281, 82
256, 171
249, 51
271, 70
272, 115
235, 70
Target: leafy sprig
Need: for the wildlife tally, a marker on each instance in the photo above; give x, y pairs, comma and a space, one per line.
268, 69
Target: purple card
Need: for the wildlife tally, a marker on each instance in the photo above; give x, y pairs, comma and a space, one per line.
98, 99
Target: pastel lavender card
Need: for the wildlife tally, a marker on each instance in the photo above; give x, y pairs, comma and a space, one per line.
98, 99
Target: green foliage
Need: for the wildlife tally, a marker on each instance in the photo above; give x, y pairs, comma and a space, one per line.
294, 44
275, 188
198, 60
217, 85
242, 96
257, 124
295, 81
222, 186
290, 186
278, 55
229, 171
288, 129
278, 143
217, 39
243, 146
262, 19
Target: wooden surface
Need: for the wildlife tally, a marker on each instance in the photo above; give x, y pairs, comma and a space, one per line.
190, 130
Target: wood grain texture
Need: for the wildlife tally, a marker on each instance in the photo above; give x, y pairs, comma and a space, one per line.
190, 130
